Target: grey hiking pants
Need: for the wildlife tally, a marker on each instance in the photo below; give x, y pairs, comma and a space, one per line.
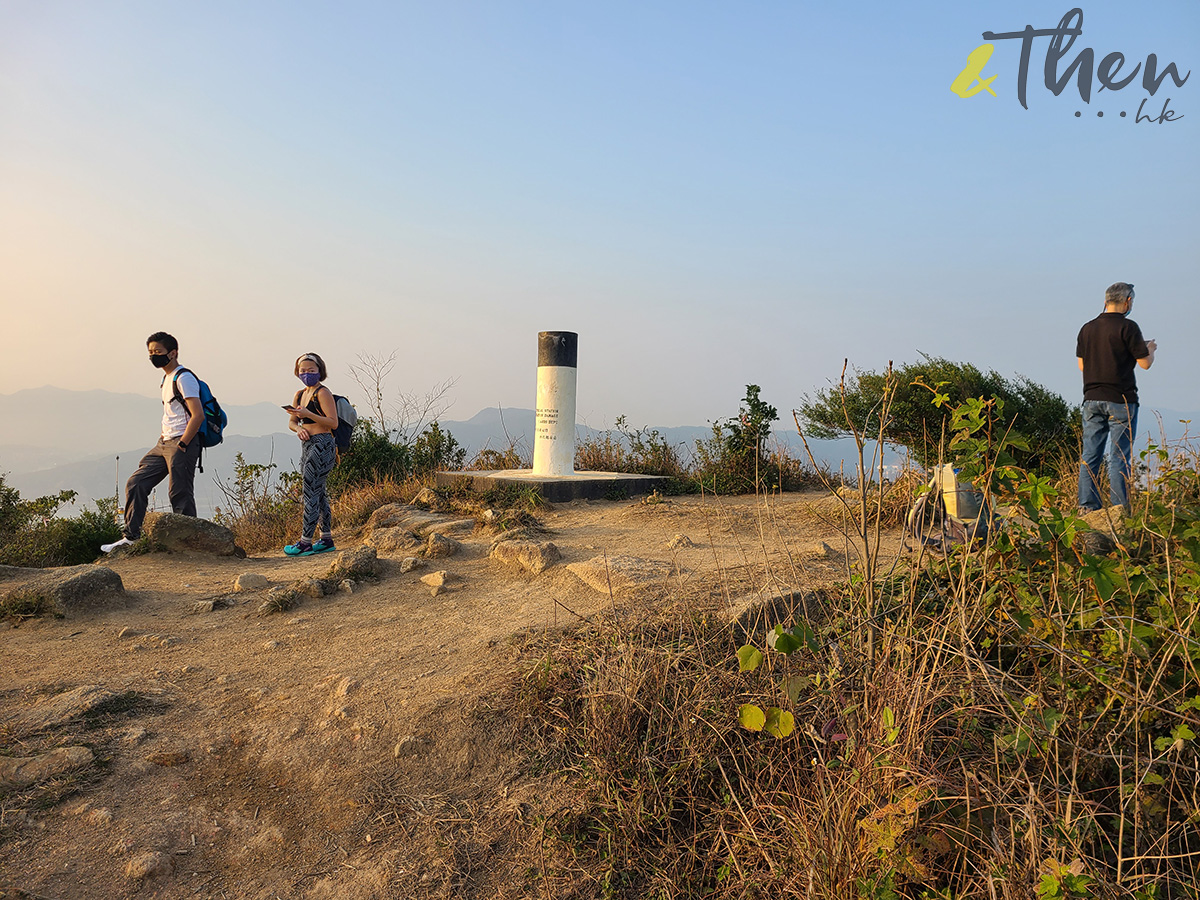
317, 457
164, 459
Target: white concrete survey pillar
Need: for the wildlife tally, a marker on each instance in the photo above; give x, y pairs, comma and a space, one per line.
554, 427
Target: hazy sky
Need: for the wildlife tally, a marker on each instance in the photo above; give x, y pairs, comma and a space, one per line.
711, 194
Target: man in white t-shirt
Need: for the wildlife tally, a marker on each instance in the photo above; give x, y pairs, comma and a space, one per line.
177, 451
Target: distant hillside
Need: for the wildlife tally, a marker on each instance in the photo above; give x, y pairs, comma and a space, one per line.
78, 425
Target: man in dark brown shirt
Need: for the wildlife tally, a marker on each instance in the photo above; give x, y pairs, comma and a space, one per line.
1108, 348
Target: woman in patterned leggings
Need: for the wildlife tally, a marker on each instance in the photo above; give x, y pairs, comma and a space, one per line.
314, 418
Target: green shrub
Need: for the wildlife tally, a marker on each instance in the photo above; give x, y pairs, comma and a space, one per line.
372, 457
1047, 422
32, 534
435, 449
735, 460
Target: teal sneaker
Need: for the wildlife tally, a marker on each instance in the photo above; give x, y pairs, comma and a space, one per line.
323, 546
300, 548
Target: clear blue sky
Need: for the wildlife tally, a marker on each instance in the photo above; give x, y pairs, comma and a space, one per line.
710, 194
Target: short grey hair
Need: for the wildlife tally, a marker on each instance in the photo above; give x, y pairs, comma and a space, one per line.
1118, 292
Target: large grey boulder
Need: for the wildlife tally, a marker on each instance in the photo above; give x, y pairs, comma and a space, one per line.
532, 556
70, 587
172, 531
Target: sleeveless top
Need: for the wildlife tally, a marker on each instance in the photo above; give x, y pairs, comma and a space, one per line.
312, 406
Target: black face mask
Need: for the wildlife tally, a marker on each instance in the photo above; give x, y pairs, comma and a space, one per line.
159, 360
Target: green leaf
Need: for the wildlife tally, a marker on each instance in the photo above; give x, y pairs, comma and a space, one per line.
779, 723
749, 658
751, 717
782, 641
794, 685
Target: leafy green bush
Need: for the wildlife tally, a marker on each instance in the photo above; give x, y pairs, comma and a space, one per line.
736, 459
1047, 422
435, 449
372, 457
31, 533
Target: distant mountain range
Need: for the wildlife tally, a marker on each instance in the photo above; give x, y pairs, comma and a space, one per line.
71, 440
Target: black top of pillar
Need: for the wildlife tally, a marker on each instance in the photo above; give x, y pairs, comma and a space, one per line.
558, 348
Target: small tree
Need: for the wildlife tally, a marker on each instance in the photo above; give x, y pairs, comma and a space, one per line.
1044, 418
734, 460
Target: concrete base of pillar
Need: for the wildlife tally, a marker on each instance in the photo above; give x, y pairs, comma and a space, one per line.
556, 489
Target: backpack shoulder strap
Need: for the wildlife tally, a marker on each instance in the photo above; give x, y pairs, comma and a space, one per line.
175, 385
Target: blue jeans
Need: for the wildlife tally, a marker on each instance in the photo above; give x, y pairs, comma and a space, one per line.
1115, 423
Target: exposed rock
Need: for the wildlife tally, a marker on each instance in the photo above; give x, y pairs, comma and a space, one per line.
409, 563
401, 515
67, 588
207, 606
428, 498
436, 579
389, 540
346, 586
100, 817
134, 735
18, 772
532, 556
439, 546
310, 587
63, 708
361, 562
680, 542
517, 534
149, 865
128, 632
410, 745
345, 687
1107, 531
172, 531
621, 572
436, 590
815, 550
250, 581
453, 526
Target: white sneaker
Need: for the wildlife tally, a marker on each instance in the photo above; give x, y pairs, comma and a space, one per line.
109, 548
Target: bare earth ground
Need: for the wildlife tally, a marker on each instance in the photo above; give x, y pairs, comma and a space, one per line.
356, 745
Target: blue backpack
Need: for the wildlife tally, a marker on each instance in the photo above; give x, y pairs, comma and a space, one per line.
212, 431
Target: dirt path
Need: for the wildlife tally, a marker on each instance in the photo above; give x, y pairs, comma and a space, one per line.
347, 747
